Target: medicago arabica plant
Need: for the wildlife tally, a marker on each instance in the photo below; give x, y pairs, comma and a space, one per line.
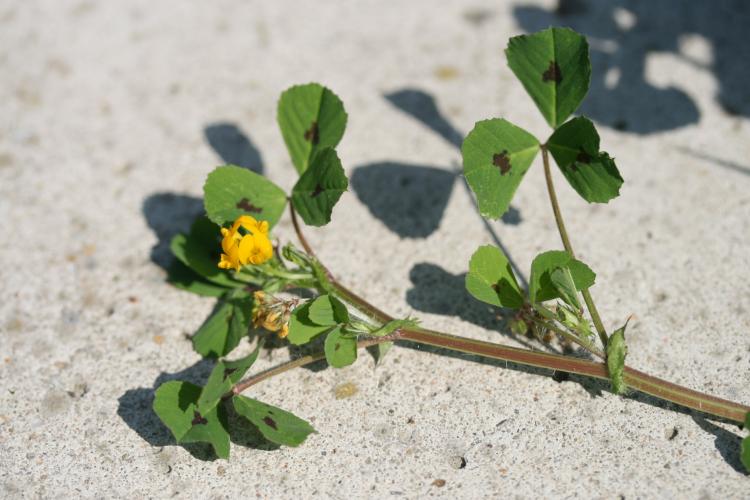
255, 281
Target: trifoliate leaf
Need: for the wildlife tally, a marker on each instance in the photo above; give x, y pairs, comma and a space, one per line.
541, 287
592, 173
327, 310
231, 191
617, 350
200, 251
340, 348
496, 156
319, 188
491, 280
553, 66
182, 277
311, 118
276, 425
175, 403
301, 329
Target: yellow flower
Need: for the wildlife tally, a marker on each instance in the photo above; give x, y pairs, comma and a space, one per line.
246, 242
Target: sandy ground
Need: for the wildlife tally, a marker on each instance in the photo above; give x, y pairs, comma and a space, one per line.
112, 114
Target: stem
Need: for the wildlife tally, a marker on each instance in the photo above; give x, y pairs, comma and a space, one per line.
302, 361
635, 379
566, 243
573, 338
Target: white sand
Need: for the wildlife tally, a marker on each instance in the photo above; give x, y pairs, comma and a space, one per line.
103, 153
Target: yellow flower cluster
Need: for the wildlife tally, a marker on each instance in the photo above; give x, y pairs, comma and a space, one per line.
246, 242
271, 313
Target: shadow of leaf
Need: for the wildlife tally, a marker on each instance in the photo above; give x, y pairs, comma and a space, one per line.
409, 199
421, 106
168, 214
234, 146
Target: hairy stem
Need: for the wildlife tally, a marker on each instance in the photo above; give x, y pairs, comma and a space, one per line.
566, 243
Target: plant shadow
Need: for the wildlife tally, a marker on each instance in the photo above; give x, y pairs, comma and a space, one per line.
727, 443
625, 34
169, 214
409, 199
233, 146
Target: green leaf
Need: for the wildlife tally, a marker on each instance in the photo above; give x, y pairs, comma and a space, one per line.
553, 66
276, 425
319, 188
242, 318
301, 329
311, 118
541, 287
216, 386
592, 173
200, 250
491, 280
221, 333
745, 446
182, 277
211, 428
231, 191
327, 310
235, 370
562, 279
617, 350
340, 348
496, 156
175, 404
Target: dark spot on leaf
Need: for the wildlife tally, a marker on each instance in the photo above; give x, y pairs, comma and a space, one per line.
312, 134
553, 73
560, 376
502, 161
336, 347
244, 204
583, 157
496, 287
198, 419
318, 190
228, 372
270, 422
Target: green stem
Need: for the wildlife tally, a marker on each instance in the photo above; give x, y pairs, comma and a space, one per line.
566, 334
566, 243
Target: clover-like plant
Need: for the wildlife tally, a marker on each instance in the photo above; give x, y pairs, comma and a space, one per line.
255, 281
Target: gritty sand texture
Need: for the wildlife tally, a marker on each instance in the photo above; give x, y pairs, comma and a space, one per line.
111, 116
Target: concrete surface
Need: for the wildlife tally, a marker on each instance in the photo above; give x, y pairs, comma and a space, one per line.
112, 114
